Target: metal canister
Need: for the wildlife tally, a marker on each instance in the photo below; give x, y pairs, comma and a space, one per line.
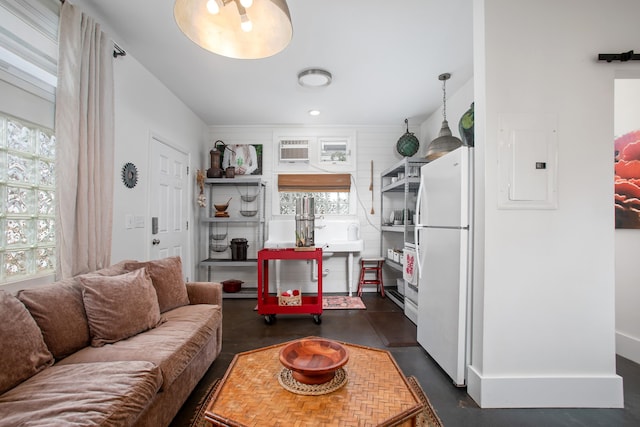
305, 221
239, 249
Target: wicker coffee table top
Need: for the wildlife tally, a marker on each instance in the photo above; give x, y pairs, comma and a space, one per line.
376, 393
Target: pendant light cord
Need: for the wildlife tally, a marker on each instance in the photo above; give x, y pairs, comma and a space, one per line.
444, 77
444, 100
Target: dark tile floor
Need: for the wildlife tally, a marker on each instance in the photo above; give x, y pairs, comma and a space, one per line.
244, 329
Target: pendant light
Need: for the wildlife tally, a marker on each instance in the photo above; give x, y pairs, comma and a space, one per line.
445, 141
240, 29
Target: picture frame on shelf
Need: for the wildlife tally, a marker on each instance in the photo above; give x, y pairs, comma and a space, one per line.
245, 158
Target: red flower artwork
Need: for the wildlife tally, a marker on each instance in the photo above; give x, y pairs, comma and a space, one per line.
627, 180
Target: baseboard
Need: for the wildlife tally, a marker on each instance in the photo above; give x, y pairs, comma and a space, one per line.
545, 392
628, 347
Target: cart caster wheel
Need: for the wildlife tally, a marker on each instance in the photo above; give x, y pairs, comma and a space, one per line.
316, 318
269, 319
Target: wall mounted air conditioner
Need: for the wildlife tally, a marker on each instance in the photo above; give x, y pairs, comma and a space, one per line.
294, 150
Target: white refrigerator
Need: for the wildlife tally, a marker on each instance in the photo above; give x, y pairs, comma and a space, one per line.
443, 236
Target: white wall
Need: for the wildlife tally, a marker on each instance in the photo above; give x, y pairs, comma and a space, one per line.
144, 107
373, 143
627, 242
544, 313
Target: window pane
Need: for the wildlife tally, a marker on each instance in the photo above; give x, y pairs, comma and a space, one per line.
46, 173
46, 202
19, 137
45, 259
46, 145
16, 263
19, 168
17, 232
46, 231
19, 200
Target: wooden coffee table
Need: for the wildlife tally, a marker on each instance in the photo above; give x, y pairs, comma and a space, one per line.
376, 394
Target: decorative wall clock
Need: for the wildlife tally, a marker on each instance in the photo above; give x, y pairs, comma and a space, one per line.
130, 175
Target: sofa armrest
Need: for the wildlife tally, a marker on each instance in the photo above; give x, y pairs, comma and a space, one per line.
204, 293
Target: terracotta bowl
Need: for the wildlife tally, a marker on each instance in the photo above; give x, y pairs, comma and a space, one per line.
221, 208
313, 360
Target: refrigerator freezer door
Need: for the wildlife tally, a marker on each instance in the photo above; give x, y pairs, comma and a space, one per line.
444, 190
442, 298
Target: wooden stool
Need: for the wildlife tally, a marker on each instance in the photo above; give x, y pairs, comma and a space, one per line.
371, 266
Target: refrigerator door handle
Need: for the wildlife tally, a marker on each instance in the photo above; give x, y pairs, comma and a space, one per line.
418, 219
418, 223
415, 239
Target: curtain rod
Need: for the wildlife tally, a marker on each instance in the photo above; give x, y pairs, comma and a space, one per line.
622, 57
117, 50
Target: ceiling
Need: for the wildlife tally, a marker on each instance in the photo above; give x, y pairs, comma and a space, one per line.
385, 58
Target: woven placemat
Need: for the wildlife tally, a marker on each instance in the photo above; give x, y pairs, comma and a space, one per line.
286, 380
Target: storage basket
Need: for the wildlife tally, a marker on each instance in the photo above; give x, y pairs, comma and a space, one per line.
290, 300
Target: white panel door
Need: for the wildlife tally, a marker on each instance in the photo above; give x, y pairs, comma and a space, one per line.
169, 203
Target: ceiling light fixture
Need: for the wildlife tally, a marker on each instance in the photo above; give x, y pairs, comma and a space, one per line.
314, 112
241, 29
314, 77
445, 141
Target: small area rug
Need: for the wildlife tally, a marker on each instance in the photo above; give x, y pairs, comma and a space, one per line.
426, 418
394, 328
340, 302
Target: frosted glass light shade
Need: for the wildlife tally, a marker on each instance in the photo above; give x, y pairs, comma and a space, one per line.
222, 33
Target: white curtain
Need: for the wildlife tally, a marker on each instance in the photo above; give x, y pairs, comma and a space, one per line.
84, 123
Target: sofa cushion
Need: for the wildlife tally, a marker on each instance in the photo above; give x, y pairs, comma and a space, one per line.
172, 345
119, 307
87, 394
23, 352
166, 275
59, 312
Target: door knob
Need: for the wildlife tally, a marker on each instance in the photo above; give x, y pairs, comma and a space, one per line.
155, 241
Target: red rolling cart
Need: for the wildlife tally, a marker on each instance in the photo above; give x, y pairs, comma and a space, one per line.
268, 305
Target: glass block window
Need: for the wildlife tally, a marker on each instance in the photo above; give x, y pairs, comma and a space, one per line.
27, 200
331, 203
330, 192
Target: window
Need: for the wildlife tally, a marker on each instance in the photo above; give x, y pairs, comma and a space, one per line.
334, 150
27, 143
330, 192
332, 203
27, 199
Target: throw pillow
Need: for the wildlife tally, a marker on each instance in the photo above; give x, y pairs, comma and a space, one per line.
119, 307
166, 275
58, 310
23, 352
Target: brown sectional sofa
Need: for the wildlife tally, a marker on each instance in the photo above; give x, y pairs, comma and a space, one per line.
123, 346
